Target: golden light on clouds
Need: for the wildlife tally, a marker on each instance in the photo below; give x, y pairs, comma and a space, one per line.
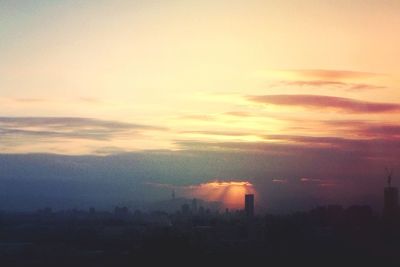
159, 64
230, 193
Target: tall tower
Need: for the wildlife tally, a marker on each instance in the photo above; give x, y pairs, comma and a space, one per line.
391, 199
249, 205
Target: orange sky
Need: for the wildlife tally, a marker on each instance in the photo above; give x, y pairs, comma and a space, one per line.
209, 71
230, 193
277, 78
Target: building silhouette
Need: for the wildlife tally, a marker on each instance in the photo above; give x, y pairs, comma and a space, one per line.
390, 199
391, 202
194, 205
121, 211
249, 205
185, 209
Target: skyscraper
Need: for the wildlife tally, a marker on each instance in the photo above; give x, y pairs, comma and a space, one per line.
391, 202
249, 205
391, 199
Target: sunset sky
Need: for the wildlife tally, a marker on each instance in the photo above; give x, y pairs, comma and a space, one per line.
298, 98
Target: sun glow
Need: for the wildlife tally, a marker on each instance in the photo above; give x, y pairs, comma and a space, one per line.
231, 193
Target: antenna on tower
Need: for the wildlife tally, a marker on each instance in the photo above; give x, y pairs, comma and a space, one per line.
389, 173
173, 194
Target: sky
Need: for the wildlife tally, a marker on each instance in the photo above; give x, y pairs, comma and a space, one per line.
295, 101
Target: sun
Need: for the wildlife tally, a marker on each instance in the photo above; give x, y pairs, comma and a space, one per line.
230, 193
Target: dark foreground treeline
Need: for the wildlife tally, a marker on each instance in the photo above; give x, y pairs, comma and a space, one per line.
326, 236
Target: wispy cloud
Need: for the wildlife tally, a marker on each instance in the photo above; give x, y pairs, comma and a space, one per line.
334, 84
331, 147
29, 100
309, 180
337, 141
333, 74
239, 114
72, 122
279, 181
326, 102
198, 117
388, 130
219, 133
369, 129
109, 150
90, 100
68, 127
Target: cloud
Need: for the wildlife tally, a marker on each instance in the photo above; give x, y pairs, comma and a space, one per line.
334, 141
367, 129
213, 183
336, 148
277, 148
109, 150
326, 102
334, 74
309, 180
372, 146
383, 130
29, 100
71, 122
335, 84
68, 127
199, 117
279, 181
239, 114
228, 192
328, 184
218, 133
318, 182
90, 100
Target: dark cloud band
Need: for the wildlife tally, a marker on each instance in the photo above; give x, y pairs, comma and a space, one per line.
326, 102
